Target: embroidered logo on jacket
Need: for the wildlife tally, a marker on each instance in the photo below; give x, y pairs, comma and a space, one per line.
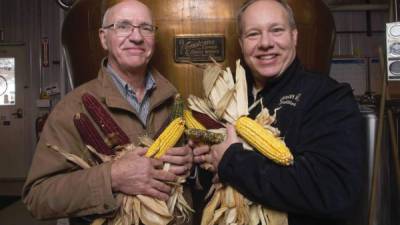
291, 100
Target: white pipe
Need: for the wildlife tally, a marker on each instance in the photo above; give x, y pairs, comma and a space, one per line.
68, 69
358, 7
62, 79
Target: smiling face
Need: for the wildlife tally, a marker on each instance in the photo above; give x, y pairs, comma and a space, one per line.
267, 39
132, 52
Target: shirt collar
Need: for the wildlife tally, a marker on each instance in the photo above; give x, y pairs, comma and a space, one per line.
123, 85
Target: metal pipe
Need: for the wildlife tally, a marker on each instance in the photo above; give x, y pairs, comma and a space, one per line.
358, 7
40, 49
373, 206
62, 80
68, 68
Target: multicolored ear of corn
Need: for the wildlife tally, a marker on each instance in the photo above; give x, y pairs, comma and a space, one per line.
191, 122
167, 139
205, 136
264, 141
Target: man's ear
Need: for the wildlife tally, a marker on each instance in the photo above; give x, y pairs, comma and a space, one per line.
294, 36
241, 43
103, 39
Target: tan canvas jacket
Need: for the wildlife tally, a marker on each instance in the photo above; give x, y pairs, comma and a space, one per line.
57, 188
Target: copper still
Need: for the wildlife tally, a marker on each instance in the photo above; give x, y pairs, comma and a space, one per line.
207, 24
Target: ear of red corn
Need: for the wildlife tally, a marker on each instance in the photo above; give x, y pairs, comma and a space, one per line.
206, 121
103, 119
90, 135
191, 122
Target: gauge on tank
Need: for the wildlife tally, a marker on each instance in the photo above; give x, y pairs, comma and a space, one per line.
395, 31
395, 67
395, 48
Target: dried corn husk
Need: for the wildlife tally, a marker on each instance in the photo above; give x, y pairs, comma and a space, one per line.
241, 90
176, 204
226, 101
136, 209
227, 206
71, 157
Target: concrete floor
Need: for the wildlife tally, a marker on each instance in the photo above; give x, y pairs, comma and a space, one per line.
17, 214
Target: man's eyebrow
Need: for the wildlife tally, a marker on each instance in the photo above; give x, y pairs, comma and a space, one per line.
128, 21
146, 23
123, 21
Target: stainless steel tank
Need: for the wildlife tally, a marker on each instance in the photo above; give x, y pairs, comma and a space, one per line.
370, 119
382, 210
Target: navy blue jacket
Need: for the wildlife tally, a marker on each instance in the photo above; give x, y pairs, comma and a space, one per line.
321, 124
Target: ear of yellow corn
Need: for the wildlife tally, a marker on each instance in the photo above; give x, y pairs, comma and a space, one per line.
191, 122
167, 139
264, 141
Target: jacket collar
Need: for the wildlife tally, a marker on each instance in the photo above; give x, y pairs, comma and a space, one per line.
275, 85
113, 99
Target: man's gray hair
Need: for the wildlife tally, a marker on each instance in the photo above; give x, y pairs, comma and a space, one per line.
246, 4
105, 18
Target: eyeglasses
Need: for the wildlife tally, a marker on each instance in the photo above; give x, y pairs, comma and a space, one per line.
123, 29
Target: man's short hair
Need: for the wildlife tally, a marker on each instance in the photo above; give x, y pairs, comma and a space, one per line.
105, 9
247, 3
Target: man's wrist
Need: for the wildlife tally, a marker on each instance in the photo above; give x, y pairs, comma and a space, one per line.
114, 177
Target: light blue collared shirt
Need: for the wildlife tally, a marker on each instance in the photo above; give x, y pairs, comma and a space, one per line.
126, 90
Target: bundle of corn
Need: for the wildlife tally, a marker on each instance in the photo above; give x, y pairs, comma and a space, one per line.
226, 101
168, 138
134, 209
138, 209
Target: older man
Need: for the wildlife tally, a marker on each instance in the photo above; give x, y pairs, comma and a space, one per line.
138, 98
318, 119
